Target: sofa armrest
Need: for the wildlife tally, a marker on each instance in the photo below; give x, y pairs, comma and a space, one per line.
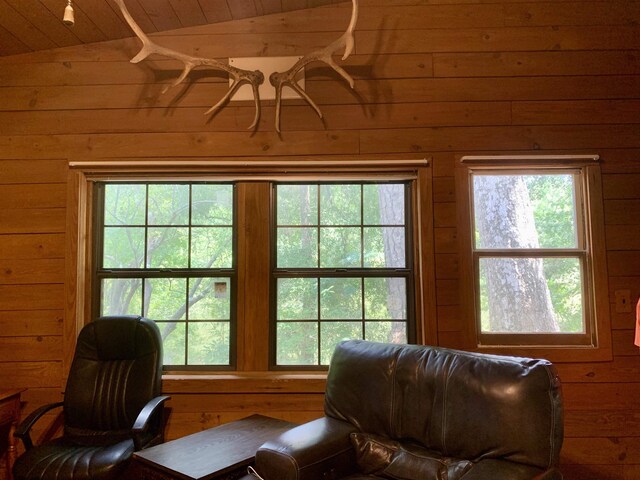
320, 449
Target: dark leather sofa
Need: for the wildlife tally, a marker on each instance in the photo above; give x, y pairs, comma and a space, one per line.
420, 413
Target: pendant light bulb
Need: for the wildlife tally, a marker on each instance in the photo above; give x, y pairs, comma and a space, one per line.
68, 18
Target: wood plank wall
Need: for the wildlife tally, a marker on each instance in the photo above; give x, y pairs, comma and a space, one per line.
438, 77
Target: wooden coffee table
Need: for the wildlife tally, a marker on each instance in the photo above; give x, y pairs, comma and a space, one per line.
219, 453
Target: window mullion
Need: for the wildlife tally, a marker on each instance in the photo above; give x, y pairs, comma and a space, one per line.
253, 291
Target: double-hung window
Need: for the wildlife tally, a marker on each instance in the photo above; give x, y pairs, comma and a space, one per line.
533, 251
166, 251
342, 268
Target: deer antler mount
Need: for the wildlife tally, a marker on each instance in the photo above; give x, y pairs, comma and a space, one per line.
252, 77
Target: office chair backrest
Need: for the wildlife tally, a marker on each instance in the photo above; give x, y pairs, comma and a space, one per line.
116, 369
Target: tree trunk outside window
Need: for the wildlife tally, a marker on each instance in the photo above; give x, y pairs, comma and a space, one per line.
519, 300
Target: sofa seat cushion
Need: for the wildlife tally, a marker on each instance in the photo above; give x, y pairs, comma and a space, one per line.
386, 458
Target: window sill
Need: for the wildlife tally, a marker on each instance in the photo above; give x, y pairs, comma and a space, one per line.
244, 382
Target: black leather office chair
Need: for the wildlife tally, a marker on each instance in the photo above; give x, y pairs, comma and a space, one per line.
112, 405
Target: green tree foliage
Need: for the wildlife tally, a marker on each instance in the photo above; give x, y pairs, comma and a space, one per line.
338, 227
168, 228
152, 231
528, 211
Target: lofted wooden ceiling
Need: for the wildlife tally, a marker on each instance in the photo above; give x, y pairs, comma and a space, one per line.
33, 25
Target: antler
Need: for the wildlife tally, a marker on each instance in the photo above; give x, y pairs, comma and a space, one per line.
346, 41
240, 76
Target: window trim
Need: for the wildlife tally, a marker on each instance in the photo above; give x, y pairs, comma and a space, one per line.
79, 242
595, 285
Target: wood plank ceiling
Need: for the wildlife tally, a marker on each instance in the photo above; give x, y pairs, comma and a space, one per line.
32, 25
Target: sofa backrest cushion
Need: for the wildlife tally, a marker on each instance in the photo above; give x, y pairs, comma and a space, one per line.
464, 405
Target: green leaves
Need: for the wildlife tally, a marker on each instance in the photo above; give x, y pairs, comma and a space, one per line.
164, 245
354, 227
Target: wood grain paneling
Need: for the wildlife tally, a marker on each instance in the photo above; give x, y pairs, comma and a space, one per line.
34, 296
30, 323
511, 138
622, 370
601, 423
623, 237
201, 144
442, 78
31, 247
30, 375
599, 451
32, 171
624, 185
499, 39
298, 117
33, 271
33, 196
30, 349
507, 64
379, 96
621, 212
626, 263
33, 220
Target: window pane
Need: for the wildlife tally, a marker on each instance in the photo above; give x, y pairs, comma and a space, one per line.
383, 204
124, 204
297, 299
209, 343
331, 333
297, 204
340, 205
386, 332
181, 227
297, 247
531, 295
385, 298
340, 247
212, 204
168, 205
209, 298
525, 211
211, 247
123, 247
297, 343
165, 298
167, 247
340, 298
173, 342
121, 296
384, 247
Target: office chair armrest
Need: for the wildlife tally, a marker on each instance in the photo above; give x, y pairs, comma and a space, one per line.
23, 431
141, 425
